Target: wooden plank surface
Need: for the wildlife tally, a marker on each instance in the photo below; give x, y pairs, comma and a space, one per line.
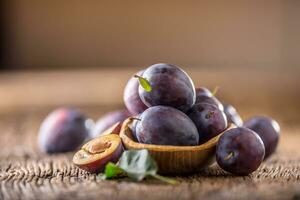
25, 173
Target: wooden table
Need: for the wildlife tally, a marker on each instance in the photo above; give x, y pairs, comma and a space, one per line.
26, 98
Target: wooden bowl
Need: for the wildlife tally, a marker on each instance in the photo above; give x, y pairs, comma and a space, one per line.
174, 159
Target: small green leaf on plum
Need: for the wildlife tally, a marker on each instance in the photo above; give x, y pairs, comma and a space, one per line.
144, 83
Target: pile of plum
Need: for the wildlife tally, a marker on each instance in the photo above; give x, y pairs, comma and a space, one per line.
168, 110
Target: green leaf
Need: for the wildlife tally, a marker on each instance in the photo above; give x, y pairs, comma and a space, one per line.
138, 164
112, 170
144, 83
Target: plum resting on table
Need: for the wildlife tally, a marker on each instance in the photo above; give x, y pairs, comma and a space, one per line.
131, 96
171, 86
163, 125
63, 130
109, 120
267, 129
209, 120
240, 151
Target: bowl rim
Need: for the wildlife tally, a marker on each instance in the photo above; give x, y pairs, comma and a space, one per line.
125, 130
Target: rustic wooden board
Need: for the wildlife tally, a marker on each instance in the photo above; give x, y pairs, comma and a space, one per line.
25, 173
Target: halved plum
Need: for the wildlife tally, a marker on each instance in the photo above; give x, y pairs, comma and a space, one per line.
94, 155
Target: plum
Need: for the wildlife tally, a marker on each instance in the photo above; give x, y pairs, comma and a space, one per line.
64, 129
267, 129
131, 96
109, 120
209, 120
132, 126
170, 86
163, 125
203, 91
232, 115
94, 155
240, 151
203, 95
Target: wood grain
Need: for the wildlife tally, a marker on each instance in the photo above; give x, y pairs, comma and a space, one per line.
25, 173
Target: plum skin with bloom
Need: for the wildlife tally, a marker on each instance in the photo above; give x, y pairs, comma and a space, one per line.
209, 120
232, 115
267, 129
203, 91
240, 151
204, 95
163, 125
170, 86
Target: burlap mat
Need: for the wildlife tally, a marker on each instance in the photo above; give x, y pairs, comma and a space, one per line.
27, 174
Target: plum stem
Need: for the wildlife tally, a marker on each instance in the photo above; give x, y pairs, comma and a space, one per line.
137, 76
136, 119
165, 179
215, 91
209, 114
230, 155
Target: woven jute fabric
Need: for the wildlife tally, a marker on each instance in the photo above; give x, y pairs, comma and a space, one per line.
25, 173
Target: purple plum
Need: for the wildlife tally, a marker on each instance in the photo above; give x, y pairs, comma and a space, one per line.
107, 120
131, 96
63, 130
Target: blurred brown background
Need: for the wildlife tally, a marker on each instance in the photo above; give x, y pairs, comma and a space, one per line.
81, 53
77, 34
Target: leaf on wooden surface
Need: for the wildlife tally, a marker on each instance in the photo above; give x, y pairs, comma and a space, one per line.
137, 165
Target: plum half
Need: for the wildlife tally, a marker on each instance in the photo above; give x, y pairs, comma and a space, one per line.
94, 155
